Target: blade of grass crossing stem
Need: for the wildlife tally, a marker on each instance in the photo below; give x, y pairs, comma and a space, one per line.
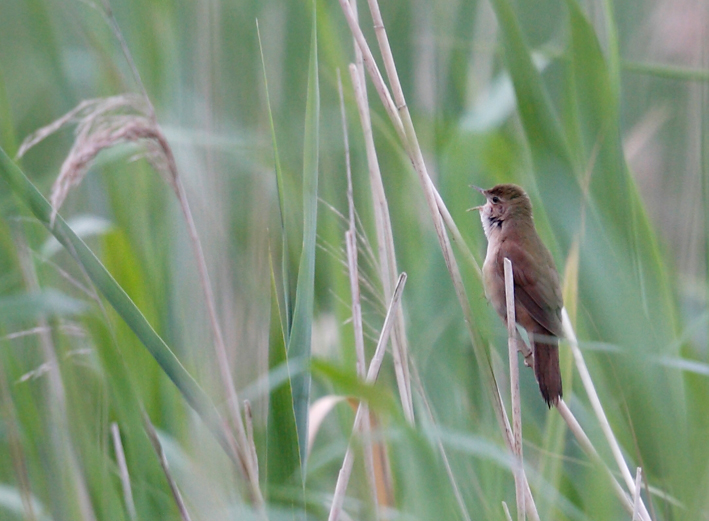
112, 291
299, 341
281, 201
283, 453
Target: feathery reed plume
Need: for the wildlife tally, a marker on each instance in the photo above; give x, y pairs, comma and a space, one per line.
103, 123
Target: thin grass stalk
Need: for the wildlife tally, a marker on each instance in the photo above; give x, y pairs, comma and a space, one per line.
514, 389
55, 391
370, 65
387, 255
598, 408
404, 127
590, 450
123, 471
242, 444
506, 510
116, 29
157, 446
636, 497
14, 441
388, 57
351, 244
353, 270
359, 60
420, 168
249, 417
366, 429
457, 237
375, 365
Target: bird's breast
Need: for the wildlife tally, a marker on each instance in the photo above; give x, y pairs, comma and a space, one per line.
493, 281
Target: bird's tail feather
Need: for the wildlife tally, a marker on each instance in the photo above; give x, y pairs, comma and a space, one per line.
546, 369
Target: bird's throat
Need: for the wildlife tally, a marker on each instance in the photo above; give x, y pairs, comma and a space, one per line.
491, 225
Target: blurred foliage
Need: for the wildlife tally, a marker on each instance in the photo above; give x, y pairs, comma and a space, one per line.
598, 109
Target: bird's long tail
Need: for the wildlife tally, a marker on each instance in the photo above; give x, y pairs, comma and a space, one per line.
546, 369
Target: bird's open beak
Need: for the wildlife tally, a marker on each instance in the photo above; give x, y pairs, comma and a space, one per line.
482, 192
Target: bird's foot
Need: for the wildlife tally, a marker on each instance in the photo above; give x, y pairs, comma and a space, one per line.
527, 354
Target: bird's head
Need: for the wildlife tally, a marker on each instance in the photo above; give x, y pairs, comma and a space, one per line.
504, 203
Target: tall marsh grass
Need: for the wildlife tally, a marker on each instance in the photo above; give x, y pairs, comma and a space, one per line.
256, 291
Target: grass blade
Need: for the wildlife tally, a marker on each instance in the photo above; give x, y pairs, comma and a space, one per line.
281, 200
283, 460
299, 341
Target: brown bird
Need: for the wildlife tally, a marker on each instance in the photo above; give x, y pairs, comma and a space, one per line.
509, 228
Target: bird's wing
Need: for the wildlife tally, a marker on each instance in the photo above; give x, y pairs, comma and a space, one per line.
536, 285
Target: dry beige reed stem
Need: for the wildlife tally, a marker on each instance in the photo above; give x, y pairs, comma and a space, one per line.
123, 471
365, 58
506, 510
590, 450
371, 65
385, 241
351, 244
636, 496
353, 270
598, 409
514, 390
375, 365
366, 428
157, 446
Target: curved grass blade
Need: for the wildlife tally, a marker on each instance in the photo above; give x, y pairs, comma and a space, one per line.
299, 341
116, 296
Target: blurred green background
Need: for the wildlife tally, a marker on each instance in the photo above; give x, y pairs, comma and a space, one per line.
608, 132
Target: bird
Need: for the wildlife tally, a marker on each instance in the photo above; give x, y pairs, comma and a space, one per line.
509, 228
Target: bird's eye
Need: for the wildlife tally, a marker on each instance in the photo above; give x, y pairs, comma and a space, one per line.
495, 199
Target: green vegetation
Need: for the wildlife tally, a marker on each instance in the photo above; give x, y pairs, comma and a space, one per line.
196, 283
